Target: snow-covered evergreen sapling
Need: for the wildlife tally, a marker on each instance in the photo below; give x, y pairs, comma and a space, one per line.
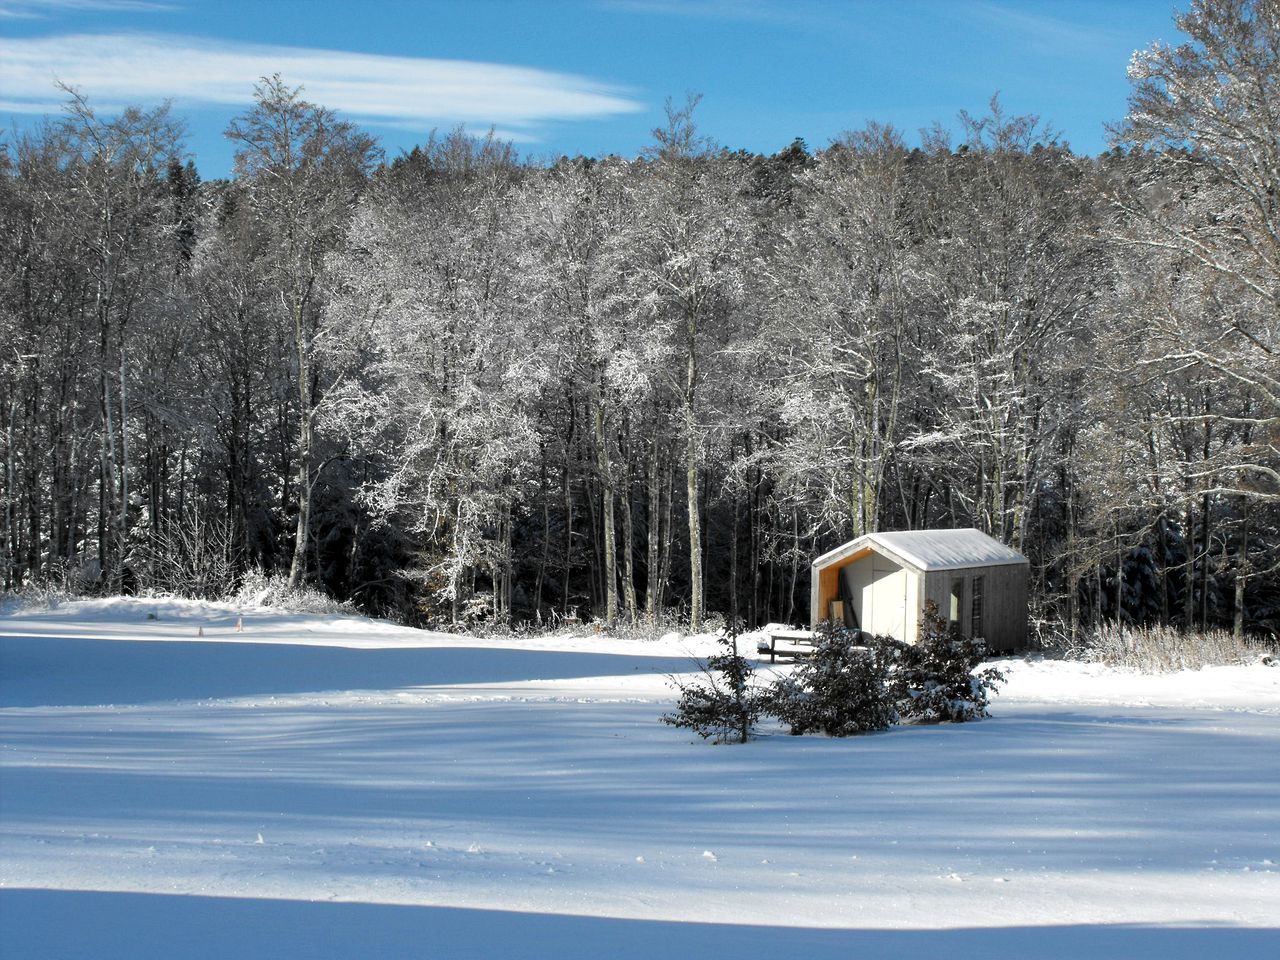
723, 704
934, 680
842, 689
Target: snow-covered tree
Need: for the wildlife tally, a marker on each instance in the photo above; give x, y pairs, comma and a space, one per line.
1210, 197
302, 170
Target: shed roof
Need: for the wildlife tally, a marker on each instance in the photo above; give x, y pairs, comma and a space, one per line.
932, 549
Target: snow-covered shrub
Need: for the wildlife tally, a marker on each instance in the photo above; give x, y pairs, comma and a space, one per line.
1157, 649
855, 683
723, 704
472, 616
661, 624
841, 689
1050, 635
38, 595
715, 623
261, 589
934, 680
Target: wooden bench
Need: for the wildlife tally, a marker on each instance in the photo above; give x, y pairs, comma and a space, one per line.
795, 640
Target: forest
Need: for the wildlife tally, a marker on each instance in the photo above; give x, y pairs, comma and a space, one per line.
461, 388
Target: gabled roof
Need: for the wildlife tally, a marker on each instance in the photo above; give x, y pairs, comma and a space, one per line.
931, 549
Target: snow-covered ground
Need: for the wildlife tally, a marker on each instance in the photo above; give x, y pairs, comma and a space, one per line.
324, 787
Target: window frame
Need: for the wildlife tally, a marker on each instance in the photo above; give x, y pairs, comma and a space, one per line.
977, 606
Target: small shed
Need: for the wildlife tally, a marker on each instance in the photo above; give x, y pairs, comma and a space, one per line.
880, 582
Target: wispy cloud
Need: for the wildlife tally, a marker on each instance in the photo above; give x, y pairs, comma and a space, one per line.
719, 9
1041, 28
36, 9
407, 92
801, 13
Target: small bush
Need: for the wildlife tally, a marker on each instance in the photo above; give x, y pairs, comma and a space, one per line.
842, 689
260, 589
38, 595
723, 705
933, 680
196, 557
645, 627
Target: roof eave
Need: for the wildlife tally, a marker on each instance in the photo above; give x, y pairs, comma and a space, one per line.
871, 541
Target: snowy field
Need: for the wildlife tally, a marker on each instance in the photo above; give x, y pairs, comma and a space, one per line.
319, 787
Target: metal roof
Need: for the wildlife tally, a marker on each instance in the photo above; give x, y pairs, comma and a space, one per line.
931, 549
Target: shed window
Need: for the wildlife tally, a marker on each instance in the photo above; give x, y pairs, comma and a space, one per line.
975, 611
957, 598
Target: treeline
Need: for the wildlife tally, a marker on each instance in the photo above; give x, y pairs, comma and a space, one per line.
458, 386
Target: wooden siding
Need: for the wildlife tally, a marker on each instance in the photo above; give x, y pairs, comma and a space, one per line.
1004, 607
937, 587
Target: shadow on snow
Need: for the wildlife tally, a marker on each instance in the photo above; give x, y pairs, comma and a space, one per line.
46, 671
139, 926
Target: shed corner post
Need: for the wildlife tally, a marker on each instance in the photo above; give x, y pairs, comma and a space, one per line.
815, 596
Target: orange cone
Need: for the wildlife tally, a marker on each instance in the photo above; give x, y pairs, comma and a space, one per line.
239, 624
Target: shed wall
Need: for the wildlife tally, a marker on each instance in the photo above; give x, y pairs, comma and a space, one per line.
1004, 609
886, 596
937, 587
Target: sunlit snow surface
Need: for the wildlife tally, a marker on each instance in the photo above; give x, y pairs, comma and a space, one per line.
321, 787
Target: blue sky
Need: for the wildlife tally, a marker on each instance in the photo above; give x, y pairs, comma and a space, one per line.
587, 76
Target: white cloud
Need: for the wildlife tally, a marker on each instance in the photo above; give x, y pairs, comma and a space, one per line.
715, 9
35, 9
816, 14
1047, 31
407, 92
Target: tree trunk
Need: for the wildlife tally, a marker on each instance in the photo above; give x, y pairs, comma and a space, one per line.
122, 516
604, 468
628, 554
566, 493
695, 531
753, 541
1099, 591
301, 536
1189, 580
106, 483
1204, 564
544, 496
795, 566
1162, 544
691, 472
653, 516
668, 536
1071, 585
1242, 574
595, 579
10, 504
1119, 578
772, 569
733, 567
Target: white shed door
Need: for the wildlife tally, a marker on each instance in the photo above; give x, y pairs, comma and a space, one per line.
887, 594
